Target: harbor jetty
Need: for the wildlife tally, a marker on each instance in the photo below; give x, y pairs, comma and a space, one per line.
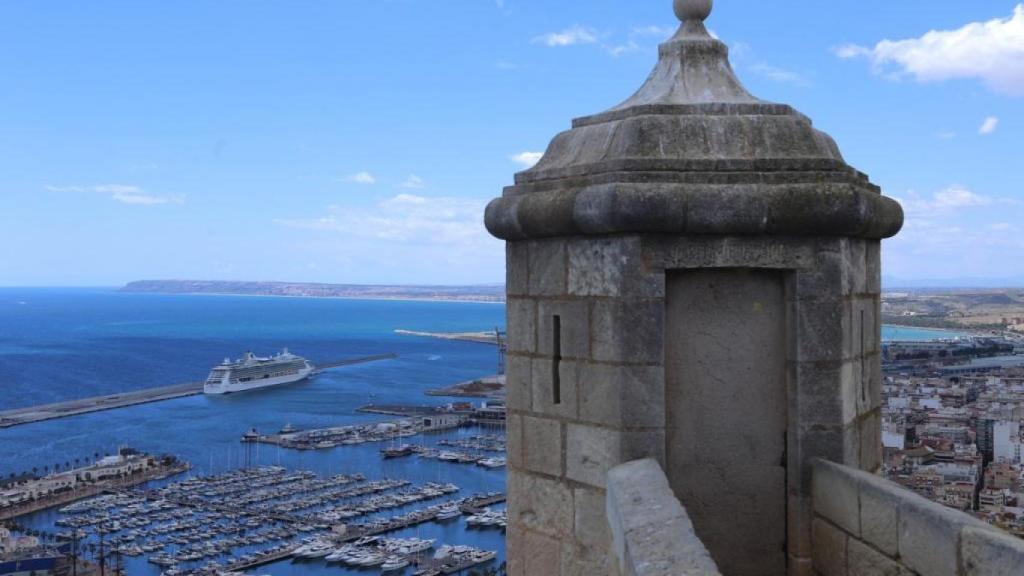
31, 414
400, 410
492, 337
326, 438
489, 387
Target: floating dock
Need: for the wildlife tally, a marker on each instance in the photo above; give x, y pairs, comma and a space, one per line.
28, 415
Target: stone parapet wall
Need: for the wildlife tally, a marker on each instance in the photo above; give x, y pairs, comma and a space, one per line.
652, 535
865, 525
609, 295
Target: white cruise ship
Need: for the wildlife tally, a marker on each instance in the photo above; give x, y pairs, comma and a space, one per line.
251, 372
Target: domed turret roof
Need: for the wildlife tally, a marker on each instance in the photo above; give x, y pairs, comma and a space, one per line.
692, 151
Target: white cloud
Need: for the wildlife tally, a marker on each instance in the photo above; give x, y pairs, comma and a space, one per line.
780, 75
988, 126
404, 219
744, 57
942, 202
637, 39
569, 37
362, 178
956, 232
653, 31
619, 49
406, 200
946, 135
527, 159
847, 51
414, 182
124, 193
407, 236
991, 51
739, 50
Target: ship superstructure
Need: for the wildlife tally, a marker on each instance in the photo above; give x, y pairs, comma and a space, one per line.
251, 372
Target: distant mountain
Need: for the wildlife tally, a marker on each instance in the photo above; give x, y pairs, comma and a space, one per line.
482, 293
892, 283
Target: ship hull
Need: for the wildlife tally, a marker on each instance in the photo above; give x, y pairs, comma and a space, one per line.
221, 389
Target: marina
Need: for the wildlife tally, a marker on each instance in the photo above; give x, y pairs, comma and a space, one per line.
249, 518
143, 340
352, 435
472, 452
68, 408
32, 494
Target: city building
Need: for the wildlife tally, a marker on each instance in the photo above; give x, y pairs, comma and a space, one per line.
106, 469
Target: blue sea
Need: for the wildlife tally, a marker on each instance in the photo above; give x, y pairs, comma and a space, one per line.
918, 334
59, 344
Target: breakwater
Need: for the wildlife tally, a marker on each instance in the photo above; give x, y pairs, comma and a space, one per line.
68, 408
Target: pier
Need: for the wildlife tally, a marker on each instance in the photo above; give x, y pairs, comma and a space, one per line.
484, 337
204, 519
240, 566
477, 504
401, 410
31, 414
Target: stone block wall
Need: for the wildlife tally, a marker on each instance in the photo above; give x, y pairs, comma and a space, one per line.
651, 533
595, 396
865, 525
585, 393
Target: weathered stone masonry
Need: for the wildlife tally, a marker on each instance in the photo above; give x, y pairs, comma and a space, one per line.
693, 277
609, 296
867, 526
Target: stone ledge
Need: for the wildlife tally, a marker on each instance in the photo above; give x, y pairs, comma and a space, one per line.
702, 109
990, 553
813, 209
651, 533
907, 532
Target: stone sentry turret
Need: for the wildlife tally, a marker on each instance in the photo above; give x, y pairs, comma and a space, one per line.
693, 276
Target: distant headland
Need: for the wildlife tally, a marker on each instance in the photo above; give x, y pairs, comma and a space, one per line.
481, 293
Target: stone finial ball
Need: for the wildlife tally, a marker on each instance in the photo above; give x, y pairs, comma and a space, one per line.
693, 10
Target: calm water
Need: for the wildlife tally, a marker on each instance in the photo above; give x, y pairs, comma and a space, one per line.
917, 334
62, 344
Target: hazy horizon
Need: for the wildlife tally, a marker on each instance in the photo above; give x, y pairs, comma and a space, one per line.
888, 284
359, 142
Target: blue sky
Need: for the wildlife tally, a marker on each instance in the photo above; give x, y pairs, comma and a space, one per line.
358, 140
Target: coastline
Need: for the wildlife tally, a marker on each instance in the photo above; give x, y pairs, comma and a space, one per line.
307, 297
966, 331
